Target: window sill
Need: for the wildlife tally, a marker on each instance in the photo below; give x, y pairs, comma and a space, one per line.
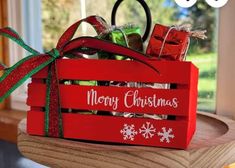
9, 120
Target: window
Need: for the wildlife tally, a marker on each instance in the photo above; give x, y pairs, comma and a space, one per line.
225, 82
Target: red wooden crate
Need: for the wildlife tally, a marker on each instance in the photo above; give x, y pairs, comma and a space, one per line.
163, 133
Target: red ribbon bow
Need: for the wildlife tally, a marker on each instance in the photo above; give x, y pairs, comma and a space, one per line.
25, 68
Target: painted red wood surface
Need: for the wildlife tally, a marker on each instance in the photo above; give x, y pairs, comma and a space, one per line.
108, 129
76, 97
114, 70
193, 103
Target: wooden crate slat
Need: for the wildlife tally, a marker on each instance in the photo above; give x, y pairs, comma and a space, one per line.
109, 129
121, 99
113, 70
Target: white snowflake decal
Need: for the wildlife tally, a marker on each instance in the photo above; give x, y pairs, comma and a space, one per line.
147, 130
166, 134
128, 132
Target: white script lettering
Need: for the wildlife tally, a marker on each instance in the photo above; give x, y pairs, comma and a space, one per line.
93, 99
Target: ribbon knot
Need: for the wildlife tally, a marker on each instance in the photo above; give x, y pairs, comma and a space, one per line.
54, 53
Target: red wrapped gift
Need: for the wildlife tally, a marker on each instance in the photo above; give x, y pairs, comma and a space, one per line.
168, 43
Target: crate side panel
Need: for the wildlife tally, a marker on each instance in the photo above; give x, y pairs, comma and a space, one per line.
193, 102
35, 122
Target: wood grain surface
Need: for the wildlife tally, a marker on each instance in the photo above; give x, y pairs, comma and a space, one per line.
213, 146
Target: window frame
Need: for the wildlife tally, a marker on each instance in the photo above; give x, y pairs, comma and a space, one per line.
9, 119
225, 71
4, 54
22, 12
224, 96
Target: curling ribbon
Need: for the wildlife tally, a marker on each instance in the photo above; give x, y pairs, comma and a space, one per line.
14, 76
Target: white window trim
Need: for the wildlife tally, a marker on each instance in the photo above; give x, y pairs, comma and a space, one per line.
225, 104
27, 13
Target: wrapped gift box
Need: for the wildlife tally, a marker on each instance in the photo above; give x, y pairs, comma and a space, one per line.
174, 47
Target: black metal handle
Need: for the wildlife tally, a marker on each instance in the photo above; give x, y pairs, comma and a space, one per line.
147, 12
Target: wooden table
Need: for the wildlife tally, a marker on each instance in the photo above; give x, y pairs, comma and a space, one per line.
213, 146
